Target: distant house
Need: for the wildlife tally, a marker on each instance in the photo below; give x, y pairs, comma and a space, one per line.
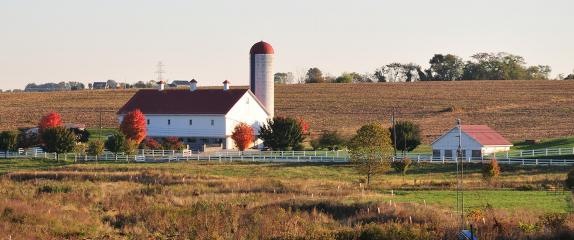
100, 85
179, 83
477, 141
199, 117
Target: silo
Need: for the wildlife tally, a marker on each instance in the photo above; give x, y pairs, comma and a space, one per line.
261, 74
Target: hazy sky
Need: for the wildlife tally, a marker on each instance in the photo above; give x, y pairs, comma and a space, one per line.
94, 40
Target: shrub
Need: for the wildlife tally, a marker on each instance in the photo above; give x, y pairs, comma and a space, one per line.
331, 140
402, 166
491, 171
243, 136
150, 143
116, 143
570, 180
173, 143
96, 148
81, 135
408, 135
8, 141
54, 189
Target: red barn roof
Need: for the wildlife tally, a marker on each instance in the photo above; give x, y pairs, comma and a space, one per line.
485, 135
262, 48
183, 101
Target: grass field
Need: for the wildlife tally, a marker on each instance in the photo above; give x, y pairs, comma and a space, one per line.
188, 200
526, 110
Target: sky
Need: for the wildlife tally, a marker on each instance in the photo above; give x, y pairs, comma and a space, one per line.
209, 40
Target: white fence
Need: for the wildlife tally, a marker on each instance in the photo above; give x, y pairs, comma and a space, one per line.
528, 157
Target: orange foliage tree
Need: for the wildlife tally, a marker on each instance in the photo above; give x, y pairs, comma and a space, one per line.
243, 136
304, 125
134, 126
51, 120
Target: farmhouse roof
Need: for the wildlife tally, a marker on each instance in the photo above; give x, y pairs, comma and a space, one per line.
183, 101
483, 134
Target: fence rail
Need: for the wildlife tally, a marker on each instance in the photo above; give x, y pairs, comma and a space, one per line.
528, 157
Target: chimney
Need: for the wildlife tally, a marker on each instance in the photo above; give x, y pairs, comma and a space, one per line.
226, 85
192, 85
161, 85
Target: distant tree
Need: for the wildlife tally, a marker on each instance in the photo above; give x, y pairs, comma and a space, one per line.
282, 133
446, 67
569, 77
344, 78
96, 148
314, 75
112, 84
140, 84
408, 135
27, 139
51, 120
243, 136
491, 171
134, 126
283, 78
540, 72
399, 72
331, 140
150, 143
116, 143
173, 143
502, 66
130, 147
58, 140
371, 150
380, 74
8, 141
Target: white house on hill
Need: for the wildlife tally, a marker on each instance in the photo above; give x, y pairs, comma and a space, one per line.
477, 141
197, 116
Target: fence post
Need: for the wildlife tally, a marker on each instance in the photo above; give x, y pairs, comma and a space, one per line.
546, 152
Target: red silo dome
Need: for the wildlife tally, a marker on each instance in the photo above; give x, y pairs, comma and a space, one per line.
262, 48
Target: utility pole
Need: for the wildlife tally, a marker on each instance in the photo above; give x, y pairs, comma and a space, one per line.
394, 132
160, 71
460, 176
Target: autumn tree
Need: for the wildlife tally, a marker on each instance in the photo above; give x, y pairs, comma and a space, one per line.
133, 126
243, 136
371, 150
96, 148
51, 120
173, 143
150, 143
314, 75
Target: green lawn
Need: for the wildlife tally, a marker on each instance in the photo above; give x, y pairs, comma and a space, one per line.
565, 142
505, 199
96, 133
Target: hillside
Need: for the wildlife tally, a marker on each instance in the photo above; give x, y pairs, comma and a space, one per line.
518, 109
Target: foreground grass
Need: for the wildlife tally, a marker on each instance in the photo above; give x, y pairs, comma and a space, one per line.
190, 200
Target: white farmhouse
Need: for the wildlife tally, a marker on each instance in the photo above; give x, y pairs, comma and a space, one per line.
207, 117
477, 141
197, 116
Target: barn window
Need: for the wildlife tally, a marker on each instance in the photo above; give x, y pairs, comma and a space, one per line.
476, 154
212, 122
435, 153
190, 122
148, 122
448, 154
169, 122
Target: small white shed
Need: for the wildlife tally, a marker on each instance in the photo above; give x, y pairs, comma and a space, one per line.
477, 141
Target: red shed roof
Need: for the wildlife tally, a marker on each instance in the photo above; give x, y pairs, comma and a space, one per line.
485, 135
262, 48
183, 101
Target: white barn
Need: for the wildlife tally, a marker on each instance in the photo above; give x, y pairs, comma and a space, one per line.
197, 116
477, 141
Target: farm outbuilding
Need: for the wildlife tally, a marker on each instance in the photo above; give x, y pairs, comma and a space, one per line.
477, 141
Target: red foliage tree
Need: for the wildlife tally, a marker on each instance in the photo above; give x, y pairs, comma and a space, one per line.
304, 125
243, 136
134, 126
173, 143
150, 143
51, 120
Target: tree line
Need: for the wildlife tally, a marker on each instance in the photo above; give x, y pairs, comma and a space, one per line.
442, 67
